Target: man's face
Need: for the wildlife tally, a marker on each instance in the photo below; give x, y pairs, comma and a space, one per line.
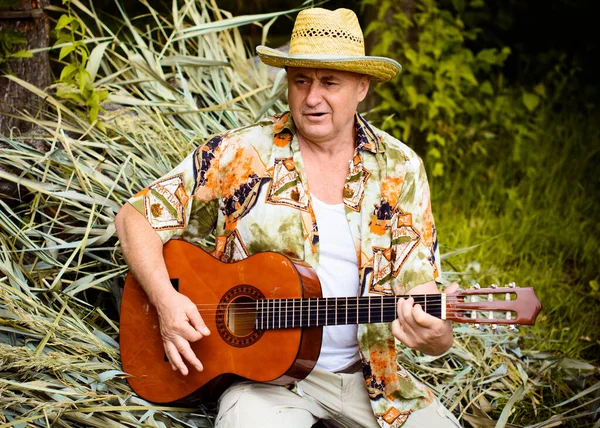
323, 102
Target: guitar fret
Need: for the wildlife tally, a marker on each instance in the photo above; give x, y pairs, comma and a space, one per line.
262, 314
425, 302
317, 323
381, 317
279, 316
346, 310
273, 311
326, 312
369, 310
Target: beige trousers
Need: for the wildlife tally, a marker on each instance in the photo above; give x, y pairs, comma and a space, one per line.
338, 399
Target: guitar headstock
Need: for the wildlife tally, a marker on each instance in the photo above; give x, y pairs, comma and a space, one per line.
507, 305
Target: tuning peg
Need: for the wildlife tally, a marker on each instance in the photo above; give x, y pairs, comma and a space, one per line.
494, 286
514, 328
476, 286
512, 285
494, 326
477, 325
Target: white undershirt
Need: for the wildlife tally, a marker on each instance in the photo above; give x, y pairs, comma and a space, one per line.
338, 273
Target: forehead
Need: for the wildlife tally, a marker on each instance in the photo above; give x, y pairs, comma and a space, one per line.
322, 73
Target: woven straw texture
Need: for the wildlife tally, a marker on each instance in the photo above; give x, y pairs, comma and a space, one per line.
329, 39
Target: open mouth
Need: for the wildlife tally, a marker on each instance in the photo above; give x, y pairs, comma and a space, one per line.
316, 114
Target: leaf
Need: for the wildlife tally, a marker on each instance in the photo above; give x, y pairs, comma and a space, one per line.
517, 396
22, 54
530, 100
110, 374
486, 88
412, 96
66, 50
438, 169
191, 61
540, 89
95, 59
488, 55
63, 21
67, 72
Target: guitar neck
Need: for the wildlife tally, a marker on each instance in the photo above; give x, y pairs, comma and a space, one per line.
328, 311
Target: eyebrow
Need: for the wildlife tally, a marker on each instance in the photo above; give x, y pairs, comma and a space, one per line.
305, 76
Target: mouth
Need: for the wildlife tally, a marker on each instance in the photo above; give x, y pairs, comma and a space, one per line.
315, 115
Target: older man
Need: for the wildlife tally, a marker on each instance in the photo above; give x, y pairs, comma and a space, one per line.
319, 184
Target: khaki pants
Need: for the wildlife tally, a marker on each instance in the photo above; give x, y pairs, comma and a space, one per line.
338, 399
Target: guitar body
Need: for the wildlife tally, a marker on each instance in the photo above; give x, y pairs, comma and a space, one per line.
234, 348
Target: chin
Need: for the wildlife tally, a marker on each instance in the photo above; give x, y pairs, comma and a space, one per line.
315, 133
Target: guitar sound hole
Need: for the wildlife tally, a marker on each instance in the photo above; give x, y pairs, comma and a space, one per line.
241, 316
236, 316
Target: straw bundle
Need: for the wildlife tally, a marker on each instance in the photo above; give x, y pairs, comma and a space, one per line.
171, 87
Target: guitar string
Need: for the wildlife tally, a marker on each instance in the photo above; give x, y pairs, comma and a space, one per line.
303, 304
370, 300
251, 321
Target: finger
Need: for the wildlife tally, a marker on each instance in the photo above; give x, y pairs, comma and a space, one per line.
197, 322
400, 334
407, 311
189, 333
452, 288
174, 358
422, 318
184, 349
400, 310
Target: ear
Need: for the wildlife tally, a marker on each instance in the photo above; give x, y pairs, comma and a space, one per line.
363, 87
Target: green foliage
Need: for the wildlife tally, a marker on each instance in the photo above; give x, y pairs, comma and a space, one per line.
76, 82
4, 4
450, 103
514, 178
9, 40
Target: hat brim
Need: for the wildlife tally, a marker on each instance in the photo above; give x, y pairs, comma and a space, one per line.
379, 68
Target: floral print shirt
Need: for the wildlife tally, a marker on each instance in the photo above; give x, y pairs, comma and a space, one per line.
245, 191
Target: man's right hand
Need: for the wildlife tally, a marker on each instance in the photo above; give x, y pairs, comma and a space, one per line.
180, 324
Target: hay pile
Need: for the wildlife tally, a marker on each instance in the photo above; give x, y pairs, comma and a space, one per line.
171, 86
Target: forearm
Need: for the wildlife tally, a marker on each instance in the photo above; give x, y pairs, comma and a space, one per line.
143, 252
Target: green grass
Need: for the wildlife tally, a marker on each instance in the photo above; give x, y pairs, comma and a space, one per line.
535, 222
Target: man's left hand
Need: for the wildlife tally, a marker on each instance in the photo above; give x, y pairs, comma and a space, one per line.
419, 330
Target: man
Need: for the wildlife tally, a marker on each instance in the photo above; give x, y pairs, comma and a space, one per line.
319, 184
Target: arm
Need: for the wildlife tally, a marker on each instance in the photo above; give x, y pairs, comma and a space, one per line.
419, 330
180, 321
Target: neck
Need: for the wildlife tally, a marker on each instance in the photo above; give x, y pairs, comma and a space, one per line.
323, 311
341, 147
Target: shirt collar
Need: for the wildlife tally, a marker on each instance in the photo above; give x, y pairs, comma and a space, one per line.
366, 139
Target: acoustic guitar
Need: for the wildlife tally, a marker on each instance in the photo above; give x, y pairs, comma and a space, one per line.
266, 315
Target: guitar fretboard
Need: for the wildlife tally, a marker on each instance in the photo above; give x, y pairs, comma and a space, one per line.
328, 311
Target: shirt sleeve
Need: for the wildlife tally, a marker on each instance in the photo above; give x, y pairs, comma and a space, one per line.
184, 202
413, 233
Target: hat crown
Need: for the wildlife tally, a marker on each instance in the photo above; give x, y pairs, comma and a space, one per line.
327, 32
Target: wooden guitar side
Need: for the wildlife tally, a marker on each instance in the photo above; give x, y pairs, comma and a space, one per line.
276, 356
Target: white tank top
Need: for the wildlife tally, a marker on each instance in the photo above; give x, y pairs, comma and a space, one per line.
338, 273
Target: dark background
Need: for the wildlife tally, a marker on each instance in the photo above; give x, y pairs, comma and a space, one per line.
541, 34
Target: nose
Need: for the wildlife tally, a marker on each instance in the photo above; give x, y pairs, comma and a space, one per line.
314, 96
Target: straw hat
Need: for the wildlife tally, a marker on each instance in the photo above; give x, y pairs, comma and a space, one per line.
330, 39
